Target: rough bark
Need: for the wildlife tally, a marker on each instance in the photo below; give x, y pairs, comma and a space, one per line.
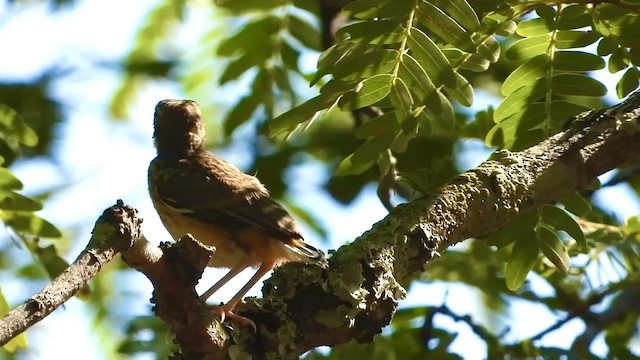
304, 306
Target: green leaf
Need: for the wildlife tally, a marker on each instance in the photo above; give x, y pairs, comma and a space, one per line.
8, 181
475, 63
14, 129
577, 61
289, 56
365, 156
28, 223
618, 61
10, 200
369, 9
628, 82
241, 113
240, 65
445, 27
373, 32
576, 204
53, 264
431, 58
401, 99
558, 219
523, 223
506, 133
250, 5
522, 259
369, 91
462, 92
18, 342
422, 88
528, 47
489, 48
460, 11
567, 39
534, 27
442, 122
384, 124
255, 34
575, 84
553, 248
574, 17
366, 65
607, 45
546, 12
301, 113
532, 70
308, 35
562, 110
520, 99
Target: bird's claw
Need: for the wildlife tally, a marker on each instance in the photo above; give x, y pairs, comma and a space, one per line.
225, 314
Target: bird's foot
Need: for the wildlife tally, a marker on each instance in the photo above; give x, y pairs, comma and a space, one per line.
225, 314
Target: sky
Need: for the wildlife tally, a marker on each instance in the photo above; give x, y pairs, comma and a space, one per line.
107, 160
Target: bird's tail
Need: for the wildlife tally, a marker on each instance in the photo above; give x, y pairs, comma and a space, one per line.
308, 254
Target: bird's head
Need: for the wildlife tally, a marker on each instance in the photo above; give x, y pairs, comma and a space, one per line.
178, 128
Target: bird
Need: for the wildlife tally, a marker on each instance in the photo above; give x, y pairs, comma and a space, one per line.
196, 192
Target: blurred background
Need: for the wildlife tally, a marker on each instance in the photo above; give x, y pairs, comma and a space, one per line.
85, 75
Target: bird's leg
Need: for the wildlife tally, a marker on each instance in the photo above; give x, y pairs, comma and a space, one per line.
225, 279
226, 310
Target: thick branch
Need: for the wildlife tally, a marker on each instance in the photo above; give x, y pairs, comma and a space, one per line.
174, 272
114, 231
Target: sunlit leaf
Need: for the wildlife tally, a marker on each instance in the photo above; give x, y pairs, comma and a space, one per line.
553, 248
628, 82
13, 127
575, 203
10, 200
520, 99
567, 39
577, 61
365, 156
31, 224
558, 219
534, 69
8, 181
460, 11
489, 48
528, 47
575, 84
373, 32
522, 259
534, 27
462, 92
386, 123
241, 113
302, 30
431, 58
421, 86
401, 99
303, 112
368, 92
444, 26
606, 46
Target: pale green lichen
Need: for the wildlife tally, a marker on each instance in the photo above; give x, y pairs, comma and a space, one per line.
101, 233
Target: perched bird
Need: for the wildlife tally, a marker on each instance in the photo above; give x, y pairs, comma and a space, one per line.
196, 192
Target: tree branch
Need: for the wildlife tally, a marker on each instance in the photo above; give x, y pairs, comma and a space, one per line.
114, 232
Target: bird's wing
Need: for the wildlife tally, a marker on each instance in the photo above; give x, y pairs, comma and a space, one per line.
209, 189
